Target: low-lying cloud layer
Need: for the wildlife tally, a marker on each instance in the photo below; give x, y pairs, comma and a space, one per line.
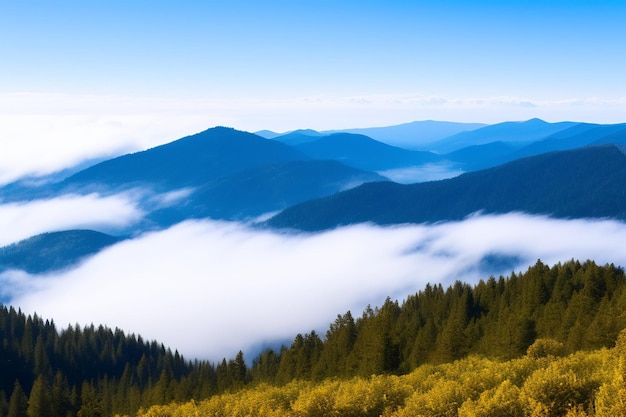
423, 173
25, 219
210, 288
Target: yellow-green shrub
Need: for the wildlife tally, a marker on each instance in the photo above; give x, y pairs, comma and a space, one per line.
443, 400
502, 401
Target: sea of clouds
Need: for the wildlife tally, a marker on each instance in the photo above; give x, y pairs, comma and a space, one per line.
210, 289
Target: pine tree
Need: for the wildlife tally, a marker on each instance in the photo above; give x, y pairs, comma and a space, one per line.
91, 405
39, 399
238, 371
265, 367
18, 404
60, 403
339, 342
4, 404
223, 378
161, 390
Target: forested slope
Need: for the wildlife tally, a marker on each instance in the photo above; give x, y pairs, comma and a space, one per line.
99, 371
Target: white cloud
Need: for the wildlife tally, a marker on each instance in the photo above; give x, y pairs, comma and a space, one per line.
209, 288
45, 133
427, 172
22, 220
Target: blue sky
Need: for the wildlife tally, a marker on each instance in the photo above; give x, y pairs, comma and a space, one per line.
296, 48
125, 75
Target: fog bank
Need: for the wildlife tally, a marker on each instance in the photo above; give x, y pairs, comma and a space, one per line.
211, 288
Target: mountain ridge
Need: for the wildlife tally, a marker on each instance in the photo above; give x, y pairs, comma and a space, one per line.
54, 250
535, 185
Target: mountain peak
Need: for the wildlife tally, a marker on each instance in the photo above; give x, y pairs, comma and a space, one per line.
191, 160
535, 121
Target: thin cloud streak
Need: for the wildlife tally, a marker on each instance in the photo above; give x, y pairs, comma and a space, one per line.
423, 173
210, 288
25, 219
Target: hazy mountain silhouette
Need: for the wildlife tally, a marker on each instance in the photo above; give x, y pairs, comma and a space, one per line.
577, 136
582, 183
224, 173
363, 152
267, 134
270, 188
298, 137
515, 133
472, 158
189, 161
54, 250
418, 135
496, 153
234, 175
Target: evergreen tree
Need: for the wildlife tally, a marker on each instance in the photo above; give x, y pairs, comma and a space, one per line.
238, 371
265, 366
39, 399
453, 342
91, 403
41, 362
18, 403
161, 390
60, 402
376, 348
4, 404
339, 342
223, 378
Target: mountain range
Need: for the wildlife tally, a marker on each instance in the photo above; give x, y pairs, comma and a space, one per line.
318, 180
581, 183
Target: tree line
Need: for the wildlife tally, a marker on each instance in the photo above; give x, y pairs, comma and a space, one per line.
580, 305
97, 371
540, 383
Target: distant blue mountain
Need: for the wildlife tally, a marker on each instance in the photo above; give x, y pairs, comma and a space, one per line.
234, 175
267, 134
492, 154
576, 136
582, 183
417, 135
224, 173
476, 157
271, 188
616, 138
363, 152
298, 137
514, 133
54, 250
186, 162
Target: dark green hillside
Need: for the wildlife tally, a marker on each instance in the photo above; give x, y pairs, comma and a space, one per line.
90, 371
579, 305
55, 250
189, 161
582, 183
363, 152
